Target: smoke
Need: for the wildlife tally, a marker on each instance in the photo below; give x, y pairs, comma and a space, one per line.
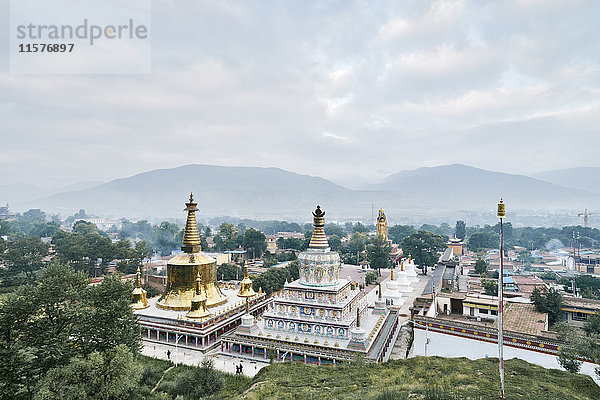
554, 244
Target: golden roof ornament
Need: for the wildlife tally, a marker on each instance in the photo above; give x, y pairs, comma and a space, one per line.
392, 278
318, 239
379, 296
246, 290
501, 209
138, 296
198, 308
191, 236
358, 317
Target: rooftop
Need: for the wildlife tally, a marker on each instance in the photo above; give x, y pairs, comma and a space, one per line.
524, 318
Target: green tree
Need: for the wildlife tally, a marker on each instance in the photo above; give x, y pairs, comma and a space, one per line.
227, 238
84, 227
397, 233
335, 243
483, 240
229, 272
109, 375
357, 242
490, 287
460, 230
592, 325
165, 238
254, 242
198, 382
481, 266
548, 301
22, 260
360, 228
378, 253
334, 229
424, 247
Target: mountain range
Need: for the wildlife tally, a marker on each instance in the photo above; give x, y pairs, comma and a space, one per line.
273, 193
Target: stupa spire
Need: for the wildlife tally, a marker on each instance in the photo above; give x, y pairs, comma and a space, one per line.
191, 237
318, 239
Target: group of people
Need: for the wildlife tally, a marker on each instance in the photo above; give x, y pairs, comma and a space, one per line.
239, 369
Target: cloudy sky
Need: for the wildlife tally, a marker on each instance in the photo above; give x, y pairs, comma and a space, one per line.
346, 90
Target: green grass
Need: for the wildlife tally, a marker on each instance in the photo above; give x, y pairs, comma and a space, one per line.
425, 378
419, 378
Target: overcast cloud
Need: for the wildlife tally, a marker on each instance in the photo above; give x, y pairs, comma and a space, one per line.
335, 89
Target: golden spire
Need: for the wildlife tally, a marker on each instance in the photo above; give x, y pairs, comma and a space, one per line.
138, 280
357, 316
392, 272
138, 296
198, 309
318, 239
191, 237
402, 265
246, 288
379, 291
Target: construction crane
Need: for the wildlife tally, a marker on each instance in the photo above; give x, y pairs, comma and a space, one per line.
585, 216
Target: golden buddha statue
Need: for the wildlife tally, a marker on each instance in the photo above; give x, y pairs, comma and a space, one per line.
382, 226
183, 269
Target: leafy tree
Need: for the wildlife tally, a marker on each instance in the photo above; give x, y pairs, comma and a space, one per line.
335, 243
43, 326
229, 272
33, 215
112, 374
360, 228
423, 247
460, 230
255, 242
490, 287
198, 382
357, 242
23, 259
293, 243
83, 251
592, 325
84, 227
166, 238
481, 266
378, 253
273, 279
334, 229
397, 233
548, 301
483, 240
227, 238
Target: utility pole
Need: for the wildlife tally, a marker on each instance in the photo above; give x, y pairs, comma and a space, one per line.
501, 214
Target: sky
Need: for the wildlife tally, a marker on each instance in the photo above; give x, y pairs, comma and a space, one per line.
347, 90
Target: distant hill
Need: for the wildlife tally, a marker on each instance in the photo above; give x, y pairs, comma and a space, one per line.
272, 193
583, 178
460, 186
236, 191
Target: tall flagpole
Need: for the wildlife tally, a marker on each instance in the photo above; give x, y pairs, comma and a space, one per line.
501, 214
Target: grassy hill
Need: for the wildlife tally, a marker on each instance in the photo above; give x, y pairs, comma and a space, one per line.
426, 378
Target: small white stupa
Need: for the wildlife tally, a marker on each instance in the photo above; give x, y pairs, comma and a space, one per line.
403, 282
392, 293
411, 272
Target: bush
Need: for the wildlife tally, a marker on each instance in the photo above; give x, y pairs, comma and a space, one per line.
195, 383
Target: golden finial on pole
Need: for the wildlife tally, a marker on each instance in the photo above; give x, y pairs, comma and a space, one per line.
501, 209
501, 214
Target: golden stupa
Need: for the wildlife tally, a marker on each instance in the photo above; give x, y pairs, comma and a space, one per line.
138, 296
198, 309
246, 290
183, 269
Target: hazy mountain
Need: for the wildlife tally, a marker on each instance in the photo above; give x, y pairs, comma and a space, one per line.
20, 192
271, 193
459, 186
583, 178
235, 191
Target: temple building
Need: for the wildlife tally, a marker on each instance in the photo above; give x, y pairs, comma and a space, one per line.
194, 311
319, 318
456, 245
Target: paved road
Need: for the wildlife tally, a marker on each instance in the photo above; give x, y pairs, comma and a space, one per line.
193, 357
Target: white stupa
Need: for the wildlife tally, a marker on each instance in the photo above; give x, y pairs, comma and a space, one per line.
411, 270
392, 293
403, 282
